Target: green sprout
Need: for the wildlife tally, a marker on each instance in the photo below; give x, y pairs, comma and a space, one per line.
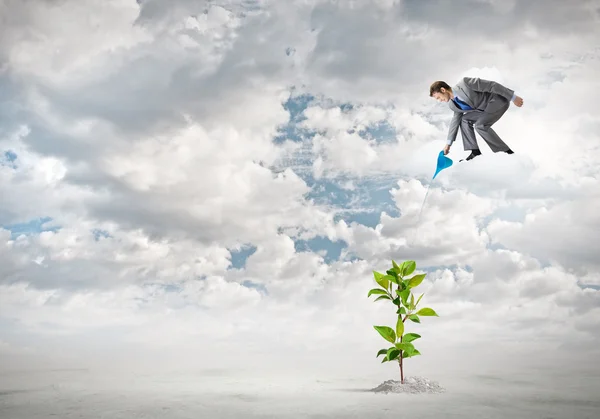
404, 301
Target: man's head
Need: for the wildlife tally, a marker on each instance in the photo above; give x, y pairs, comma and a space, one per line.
441, 91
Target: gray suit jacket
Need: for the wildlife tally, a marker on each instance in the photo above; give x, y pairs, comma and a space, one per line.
476, 93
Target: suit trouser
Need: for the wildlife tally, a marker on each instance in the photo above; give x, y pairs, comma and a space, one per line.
482, 121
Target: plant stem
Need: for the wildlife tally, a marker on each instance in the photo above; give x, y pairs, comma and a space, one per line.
401, 371
400, 358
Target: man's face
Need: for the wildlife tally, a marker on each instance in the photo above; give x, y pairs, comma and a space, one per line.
442, 96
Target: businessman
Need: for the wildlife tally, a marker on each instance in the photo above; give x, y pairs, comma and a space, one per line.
477, 104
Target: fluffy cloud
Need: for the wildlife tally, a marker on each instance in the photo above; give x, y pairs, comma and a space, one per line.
144, 132
564, 232
441, 228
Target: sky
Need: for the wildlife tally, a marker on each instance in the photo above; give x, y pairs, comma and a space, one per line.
210, 184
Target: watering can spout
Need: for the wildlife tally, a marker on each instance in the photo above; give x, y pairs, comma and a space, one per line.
443, 162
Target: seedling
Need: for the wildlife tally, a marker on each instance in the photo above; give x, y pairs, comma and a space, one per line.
406, 308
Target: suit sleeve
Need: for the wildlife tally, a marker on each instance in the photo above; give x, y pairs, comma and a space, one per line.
453, 129
488, 86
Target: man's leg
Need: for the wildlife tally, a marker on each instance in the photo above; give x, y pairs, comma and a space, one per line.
468, 133
491, 114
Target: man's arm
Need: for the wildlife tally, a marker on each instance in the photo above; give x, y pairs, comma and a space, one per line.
482, 85
453, 128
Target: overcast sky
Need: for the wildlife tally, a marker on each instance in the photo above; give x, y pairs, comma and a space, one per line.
211, 183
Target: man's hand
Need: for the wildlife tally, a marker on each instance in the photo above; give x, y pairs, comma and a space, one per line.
518, 101
446, 149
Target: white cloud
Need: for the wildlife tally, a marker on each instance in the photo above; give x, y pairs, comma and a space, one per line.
446, 231
44, 41
564, 232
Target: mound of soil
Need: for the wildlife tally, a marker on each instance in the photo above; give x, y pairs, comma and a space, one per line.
412, 385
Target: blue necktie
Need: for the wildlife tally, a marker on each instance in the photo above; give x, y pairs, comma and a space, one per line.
461, 104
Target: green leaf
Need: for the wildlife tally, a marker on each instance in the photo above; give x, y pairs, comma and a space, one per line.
404, 295
416, 280
391, 278
396, 301
405, 346
412, 302
414, 318
387, 333
426, 311
380, 279
381, 352
399, 327
383, 297
385, 359
396, 267
419, 299
409, 337
408, 267
412, 353
377, 291
401, 288
401, 310
393, 353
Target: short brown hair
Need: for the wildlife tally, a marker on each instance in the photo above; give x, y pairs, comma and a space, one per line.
436, 87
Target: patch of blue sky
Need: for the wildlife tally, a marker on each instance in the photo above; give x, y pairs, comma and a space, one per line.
253, 285
380, 132
346, 107
240, 256
32, 227
363, 203
295, 105
8, 158
328, 249
98, 234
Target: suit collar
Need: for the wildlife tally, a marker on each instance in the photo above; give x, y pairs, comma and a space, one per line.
462, 94
453, 106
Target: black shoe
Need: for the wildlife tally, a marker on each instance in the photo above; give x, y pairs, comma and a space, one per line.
474, 153
509, 151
